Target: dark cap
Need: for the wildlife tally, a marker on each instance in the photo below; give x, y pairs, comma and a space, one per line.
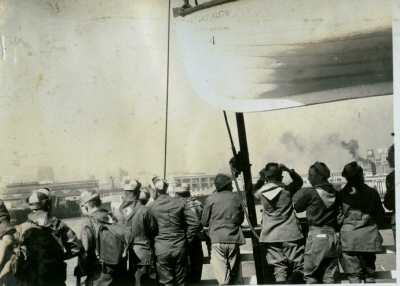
350, 170
272, 169
221, 180
132, 185
322, 169
184, 188
87, 196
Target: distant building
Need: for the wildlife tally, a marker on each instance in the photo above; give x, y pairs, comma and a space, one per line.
200, 183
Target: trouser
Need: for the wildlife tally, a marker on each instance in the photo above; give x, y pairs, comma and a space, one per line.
144, 275
285, 257
321, 256
172, 267
195, 260
107, 275
225, 261
359, 266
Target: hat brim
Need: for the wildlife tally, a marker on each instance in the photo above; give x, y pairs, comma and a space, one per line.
84, 200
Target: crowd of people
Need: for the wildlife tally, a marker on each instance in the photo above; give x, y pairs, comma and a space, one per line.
155, 239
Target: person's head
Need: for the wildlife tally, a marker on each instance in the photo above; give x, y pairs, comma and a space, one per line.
390, 156
89, 201
182, 191
318, 172
133, 187
39, 200
272, 173
144, 196
353, 172
159, 185
223, 182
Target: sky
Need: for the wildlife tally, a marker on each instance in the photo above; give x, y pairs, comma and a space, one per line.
84, 90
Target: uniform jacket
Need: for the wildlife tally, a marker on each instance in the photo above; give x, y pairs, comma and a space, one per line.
195, 206
224, 215
65, 236
89, 263
177, 223
279, 221
363, 212
49, 241
389, 200
322, 204
144, 228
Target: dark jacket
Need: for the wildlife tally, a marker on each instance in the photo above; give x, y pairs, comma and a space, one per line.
390, 199
223, 213
322, 204
177, 224
195, 206
49, 242
279, 221
144, 228
96, 274
363, 213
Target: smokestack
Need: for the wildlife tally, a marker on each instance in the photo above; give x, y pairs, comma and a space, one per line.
373, 168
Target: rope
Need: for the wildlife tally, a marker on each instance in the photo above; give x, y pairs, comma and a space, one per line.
242, 200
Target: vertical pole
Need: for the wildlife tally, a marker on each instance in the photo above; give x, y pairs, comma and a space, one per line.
244, 151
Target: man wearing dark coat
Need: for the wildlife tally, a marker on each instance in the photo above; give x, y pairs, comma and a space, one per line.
281, 232
195, 248
390, 199
91, 266
223, 214
132, 213
324, 216
177, 227
363, 213
48, 240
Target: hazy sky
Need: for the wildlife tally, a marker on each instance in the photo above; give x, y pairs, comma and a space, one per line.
83, 89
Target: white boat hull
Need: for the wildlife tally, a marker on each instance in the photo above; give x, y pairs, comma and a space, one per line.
257, 55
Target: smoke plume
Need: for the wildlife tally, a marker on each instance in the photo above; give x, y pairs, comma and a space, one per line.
291, 142
352, 147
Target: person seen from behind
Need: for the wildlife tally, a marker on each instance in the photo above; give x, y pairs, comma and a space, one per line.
363, 214
224, 215
195, 248
324, 217
104, 259
280, 231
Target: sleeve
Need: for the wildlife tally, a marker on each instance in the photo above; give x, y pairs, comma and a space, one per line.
258, 185
340, 214
152, 225
379, 212
71, 242
192, 222
296, 184
205, 217
303, 202
87, 244
389, 199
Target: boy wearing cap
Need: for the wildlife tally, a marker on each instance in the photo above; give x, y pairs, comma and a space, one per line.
90, 265
363, 213
134, 214
45, 238
324, 217
223, 214
195, 249
177, 227
281, 231
390, 199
